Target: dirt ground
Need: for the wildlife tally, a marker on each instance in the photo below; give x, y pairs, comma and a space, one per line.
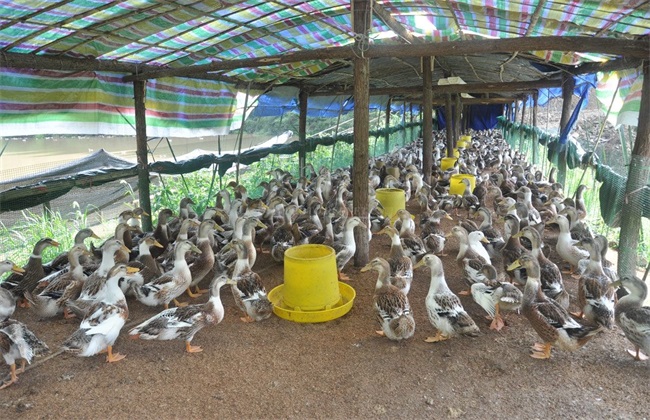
339, 369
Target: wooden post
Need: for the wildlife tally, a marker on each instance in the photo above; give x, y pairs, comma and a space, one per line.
535, 139
427, 123
241, 132
568, 84
139, 93
523, 120
361, 11
458, 108
403, 123
637, 178
449, 126
303, 98
387, 127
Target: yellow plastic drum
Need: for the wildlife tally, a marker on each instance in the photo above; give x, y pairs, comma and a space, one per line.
456, 185
447, 163
392, 200
310, 278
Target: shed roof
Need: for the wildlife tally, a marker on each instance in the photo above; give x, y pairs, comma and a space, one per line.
142, 35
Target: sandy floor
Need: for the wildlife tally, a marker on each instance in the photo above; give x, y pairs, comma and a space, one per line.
339, 369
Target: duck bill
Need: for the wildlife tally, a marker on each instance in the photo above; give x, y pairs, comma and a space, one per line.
194, 248
157, 244
132, 270
218, 228
260, 224
485, 240
518, 234
17, 270
419, 264
615, 285
366, 267
448, 217
125, 249
94, 235
514, 265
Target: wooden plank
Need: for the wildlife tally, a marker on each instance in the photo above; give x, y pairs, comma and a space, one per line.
628, 48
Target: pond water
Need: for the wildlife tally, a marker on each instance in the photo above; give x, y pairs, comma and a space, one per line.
28, 155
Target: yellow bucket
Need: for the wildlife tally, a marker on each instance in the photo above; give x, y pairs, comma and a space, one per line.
392, 200
466, 139
456, 153
456, 185
310, 278
447, 163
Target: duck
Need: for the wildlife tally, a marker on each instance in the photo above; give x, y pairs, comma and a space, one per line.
632, 317
444, 309
161, 233
595, 297
495, 296
94, 285
471, 255
346, 247
51, 300
413, 245
551, 280
204, 263
513, 249
184, 323
550, 321
471, 203
391, 305
34, 271
494, 237
400, 265
17, 342
282, 236
171, 284
248, 290
60, 261
432, 233
565, 246
101, 326
7, 299
149, 267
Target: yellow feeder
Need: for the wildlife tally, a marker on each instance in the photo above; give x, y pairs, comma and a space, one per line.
447, 163
392, 200
456, 185
311, 291
466, 139
456, 153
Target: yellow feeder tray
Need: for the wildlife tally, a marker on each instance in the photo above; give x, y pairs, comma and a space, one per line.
297, 315
456, 185
447, 163
392, 200
311, 291
456, 153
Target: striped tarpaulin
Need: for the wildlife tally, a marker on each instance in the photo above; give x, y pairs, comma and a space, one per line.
626, 100
55, 102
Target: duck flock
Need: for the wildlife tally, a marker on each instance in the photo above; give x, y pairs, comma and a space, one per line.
513, 268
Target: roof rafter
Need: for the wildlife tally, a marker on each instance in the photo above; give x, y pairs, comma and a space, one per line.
630, 48
383, 14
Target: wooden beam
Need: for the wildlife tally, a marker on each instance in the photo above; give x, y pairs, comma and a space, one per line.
637, 179
427, 118
139, 93
360, 202
623, 63
393, 24
497, 87
470, 101
629, 48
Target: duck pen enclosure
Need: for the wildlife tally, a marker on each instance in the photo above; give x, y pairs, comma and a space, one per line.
476, 172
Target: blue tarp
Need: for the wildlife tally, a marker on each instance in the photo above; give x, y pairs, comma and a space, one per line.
481, 117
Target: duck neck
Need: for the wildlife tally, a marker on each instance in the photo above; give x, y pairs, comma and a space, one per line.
438, 283
240, 266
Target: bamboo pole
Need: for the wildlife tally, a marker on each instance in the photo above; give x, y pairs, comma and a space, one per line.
448, 125
387, 127
535, 139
